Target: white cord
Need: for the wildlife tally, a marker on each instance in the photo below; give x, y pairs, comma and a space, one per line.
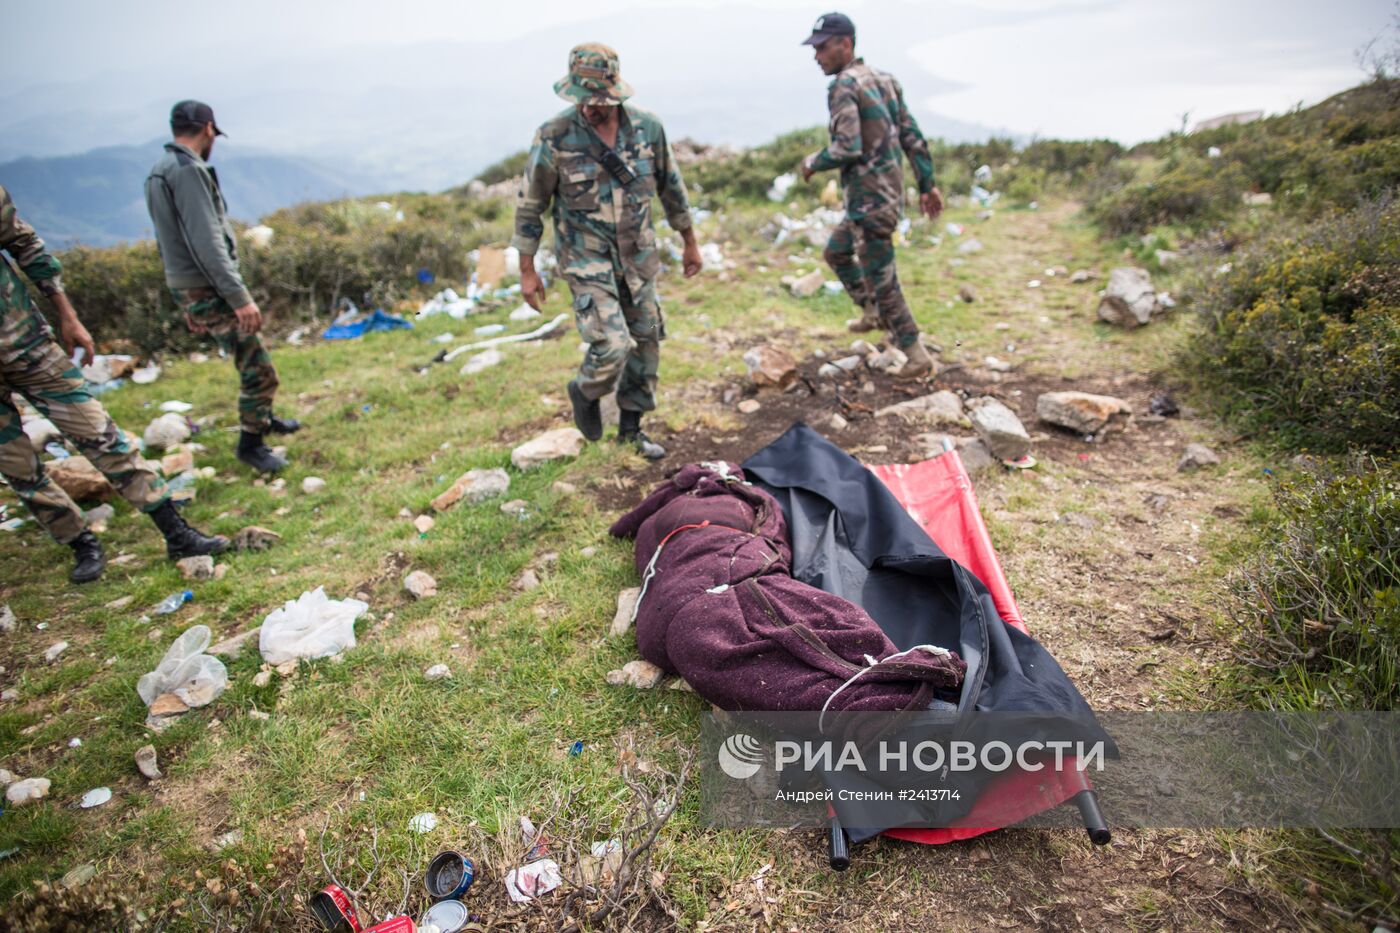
871, 664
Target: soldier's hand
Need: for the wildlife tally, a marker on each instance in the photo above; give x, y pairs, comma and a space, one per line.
195, 327
804, 168
691, 263
931, 204
74, 334
532, 288
249, 318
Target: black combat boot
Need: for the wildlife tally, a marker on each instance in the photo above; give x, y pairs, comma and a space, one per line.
629, 431
88, 561
588, 414
180, 539
283, 426
259, 456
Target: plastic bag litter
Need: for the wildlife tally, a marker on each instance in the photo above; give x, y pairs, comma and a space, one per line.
486, 330
781, 186
984, 197
310, 626
524, 313
448, 302
530, 881
186, 671
983, 174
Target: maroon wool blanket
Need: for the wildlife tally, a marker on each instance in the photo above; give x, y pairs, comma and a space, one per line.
721, 609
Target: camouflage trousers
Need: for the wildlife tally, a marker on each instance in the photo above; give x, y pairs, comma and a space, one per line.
54, 386
624, 333
257, 378
862, 256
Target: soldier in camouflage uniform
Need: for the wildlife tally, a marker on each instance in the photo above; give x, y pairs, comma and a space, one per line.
870, 125
200, 254
600, 162
32, 365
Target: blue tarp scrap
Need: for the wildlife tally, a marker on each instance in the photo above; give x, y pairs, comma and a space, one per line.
379, 320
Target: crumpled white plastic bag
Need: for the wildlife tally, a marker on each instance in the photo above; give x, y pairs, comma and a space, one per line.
310, 626
186, 671
530, 881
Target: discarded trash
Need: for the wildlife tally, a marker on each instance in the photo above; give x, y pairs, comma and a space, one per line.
1213, 152
260, 235
167, 431
359, 324
530, 881
576, 749
146, 375
954, 229
448, 302
524, 313
30, 790
311, 626
1020, 463
423, 823
146, 763
334, 909
488, 330
57, 451
425, 276
482, 361
56, 649
95, 797
447, 916
172, 602
970, 246
781, 186
1163, 406
535, 334
984, 197
77, 877
75, 742
449, 875
186, 671
983, 174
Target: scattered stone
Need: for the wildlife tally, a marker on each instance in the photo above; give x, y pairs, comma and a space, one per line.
1166, 257
867, 387
231, 838
55, 650
424, 524
942, 407
1196, 456
748, 406
999, 428
838, 423
8, 622
473, 486
420, 585
146, 763
80, 479
77, 877
808, 285
588, 551
830, 371
626, 606
640, 674
196, 568
967, 294
564, 489
1082, 411
771, 365
887, 361
9, 694
997, 365
517, 507
98, 518
551, 445
6, 778
1258, 198
975, 455
177, 463
312, 485
30, 790
255, 538
967, 247
1129, 300
437, 672
262, 678
527, 581
166, 431
168, 704
1080, 276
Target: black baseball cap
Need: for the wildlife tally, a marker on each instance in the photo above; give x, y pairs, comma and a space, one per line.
192, 113
828, 25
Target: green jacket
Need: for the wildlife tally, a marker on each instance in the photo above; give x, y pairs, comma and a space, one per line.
22, 326
601, 227
193, 232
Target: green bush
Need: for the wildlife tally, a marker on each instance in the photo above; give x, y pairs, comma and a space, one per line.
512, 166
120, 294
749, 175
1303, 335
1318, 609
1188, 191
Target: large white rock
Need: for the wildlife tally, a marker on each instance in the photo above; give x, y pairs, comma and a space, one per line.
551, 445
770, 365
167, 431
942, 407
473, 486
808, 285
80, 479
30, 790
640, 674
1081, 411
999, 428
1129, 300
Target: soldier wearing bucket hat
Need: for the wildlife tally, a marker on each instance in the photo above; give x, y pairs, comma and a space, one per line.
871, 127
599, 163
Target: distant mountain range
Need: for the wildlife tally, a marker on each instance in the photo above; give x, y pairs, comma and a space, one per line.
98, 198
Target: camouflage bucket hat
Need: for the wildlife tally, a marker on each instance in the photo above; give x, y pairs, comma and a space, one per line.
593, 77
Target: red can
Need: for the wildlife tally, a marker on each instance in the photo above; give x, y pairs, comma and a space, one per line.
403, 924
333, 908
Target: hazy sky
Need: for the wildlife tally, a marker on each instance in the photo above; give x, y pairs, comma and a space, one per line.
1127, 69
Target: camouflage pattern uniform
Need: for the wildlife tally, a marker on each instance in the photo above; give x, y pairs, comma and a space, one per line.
870, 125
33, 365
200, 253
606, 245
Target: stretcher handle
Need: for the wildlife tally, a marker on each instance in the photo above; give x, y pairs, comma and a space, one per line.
838, 846
1094, 823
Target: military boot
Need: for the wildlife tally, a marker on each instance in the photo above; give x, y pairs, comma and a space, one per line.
180, 539
588, 413
252, 451
629, 431
283, 426
88, 561
919, 364
869, 320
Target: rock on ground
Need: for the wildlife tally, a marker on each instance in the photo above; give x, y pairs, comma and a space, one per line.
809, 284
887, 361
30, 790
56, 649
527, 581
748, 406
312, 485
1197, 456
975, 456
1081, 411
8, 622
473, 486
437, 672
770, 365
942, 407
177, 463
1129, 300
626, 605
424, 524
167, 431
80, 479
551, 445
420, 585
255, 538
482, 361
640, 674
999, 428
196, 568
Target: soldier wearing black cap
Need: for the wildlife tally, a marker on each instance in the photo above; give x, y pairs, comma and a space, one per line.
200, 254
871, 127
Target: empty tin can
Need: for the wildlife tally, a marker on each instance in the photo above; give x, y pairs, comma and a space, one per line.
333, 909
447, 916
449, 875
